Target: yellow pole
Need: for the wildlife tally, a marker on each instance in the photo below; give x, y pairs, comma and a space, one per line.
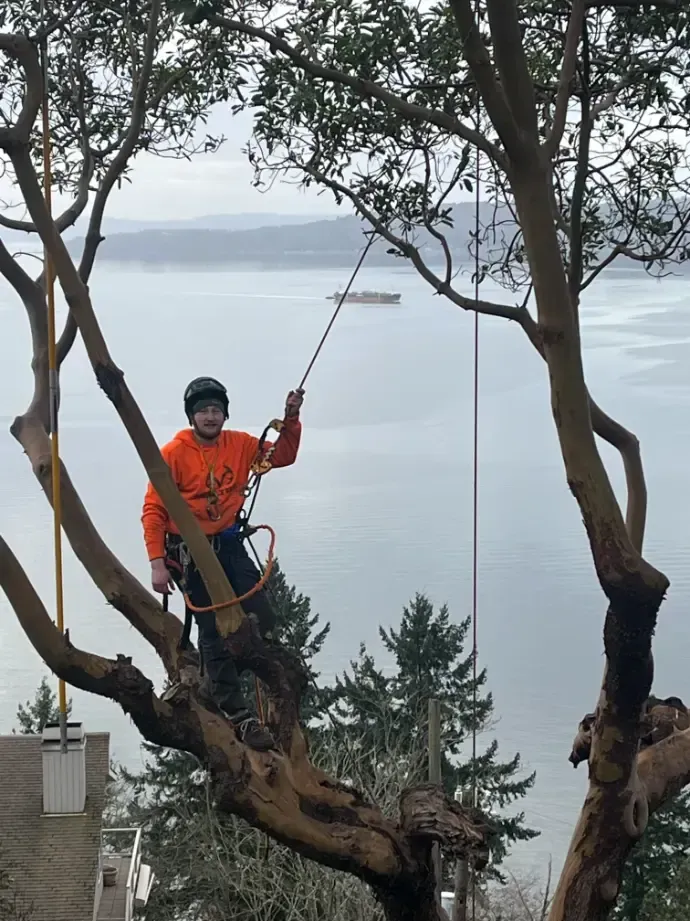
53, 382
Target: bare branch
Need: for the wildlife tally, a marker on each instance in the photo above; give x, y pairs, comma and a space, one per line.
121, 159
20, 280
511, 62
509, 312
572, 41
117, 679
60, 23
160, 628
428, 218
491, 90
109, 376
580, 183
22, 50
664, 768
71, 214
367, 88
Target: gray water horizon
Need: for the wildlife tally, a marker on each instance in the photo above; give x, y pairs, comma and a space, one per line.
378, 505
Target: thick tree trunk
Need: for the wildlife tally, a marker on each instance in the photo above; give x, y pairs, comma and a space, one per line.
615, 811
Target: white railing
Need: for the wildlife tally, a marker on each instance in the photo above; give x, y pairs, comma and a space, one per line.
130, 848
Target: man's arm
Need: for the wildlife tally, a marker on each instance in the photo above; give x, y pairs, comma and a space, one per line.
155, 519
287, 444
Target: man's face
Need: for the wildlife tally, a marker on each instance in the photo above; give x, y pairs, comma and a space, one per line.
208, 421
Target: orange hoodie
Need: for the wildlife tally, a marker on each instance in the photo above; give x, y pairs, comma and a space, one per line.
191, 465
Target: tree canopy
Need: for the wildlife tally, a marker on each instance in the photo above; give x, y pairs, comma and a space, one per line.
570, 119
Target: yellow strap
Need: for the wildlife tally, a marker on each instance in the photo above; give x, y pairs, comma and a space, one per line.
54, 388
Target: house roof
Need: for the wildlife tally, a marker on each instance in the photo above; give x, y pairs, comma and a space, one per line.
53, 859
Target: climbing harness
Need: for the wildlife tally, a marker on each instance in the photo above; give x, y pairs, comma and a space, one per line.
185, 561
53, 379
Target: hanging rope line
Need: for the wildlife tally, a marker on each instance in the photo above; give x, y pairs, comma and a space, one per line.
353, 276
372, 239
262, 463
475, 485
53, 380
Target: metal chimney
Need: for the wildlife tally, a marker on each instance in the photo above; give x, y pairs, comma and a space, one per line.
64, 772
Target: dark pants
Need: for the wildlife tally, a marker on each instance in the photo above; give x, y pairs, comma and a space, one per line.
218, 664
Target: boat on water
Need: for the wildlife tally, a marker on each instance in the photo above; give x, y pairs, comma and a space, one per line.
366, 297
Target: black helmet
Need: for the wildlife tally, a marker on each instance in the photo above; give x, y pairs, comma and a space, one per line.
205, 388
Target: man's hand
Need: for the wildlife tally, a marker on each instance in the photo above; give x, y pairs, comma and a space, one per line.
161, 580
293, 403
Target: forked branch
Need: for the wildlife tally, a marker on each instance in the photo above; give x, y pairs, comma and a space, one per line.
110, 378
366, 88
116, 679
572, 41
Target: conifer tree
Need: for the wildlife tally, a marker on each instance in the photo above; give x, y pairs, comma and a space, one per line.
34, 716
431, 659
658, 867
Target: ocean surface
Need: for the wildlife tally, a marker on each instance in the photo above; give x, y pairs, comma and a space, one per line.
378, 506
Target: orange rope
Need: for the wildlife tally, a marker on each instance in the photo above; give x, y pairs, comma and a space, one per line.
252, 591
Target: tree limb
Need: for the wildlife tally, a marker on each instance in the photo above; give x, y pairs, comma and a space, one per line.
109, 376
367, 88
21, 50
572, 40
605, 427
508, 311
116, 679
20, 280
71, 214
162, 629
120, 160
511, 63
580, 182
477, 57
42, 34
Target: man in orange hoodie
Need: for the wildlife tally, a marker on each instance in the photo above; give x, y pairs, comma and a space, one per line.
211, 467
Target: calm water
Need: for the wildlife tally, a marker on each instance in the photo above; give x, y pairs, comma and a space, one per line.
378, 506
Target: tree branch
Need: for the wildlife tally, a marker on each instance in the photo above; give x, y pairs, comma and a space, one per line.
121, 159
71, 214
162, 629
116, 679
509, 312
20, 280
511, 63
109, 376
580, 183
366, 88
43, 34
477, 57
605, 427
632, 4
572, 41
21, 50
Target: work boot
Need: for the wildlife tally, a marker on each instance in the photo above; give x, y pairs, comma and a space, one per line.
251, 732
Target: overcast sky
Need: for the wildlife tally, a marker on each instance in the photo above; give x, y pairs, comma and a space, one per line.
221, 183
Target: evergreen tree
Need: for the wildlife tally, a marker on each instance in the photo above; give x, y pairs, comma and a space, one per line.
657, 863
33, 717
377, 710
672, 904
